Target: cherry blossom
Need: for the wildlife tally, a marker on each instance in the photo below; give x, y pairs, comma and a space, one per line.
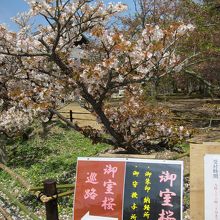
38, 72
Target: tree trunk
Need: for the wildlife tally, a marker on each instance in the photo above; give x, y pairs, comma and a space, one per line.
118, 138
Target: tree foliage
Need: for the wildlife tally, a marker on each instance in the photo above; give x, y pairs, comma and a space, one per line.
201, 73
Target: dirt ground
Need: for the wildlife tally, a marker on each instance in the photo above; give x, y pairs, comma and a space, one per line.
81, 115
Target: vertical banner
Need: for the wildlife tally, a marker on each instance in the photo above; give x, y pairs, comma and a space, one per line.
128, 189
212, 186
153, 191
99, 189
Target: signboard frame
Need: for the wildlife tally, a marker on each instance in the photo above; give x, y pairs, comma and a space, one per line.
139, 161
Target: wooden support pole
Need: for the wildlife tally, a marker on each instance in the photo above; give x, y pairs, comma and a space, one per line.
71, 115
51, 206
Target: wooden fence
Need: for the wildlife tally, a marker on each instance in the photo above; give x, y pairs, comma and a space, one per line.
70, 116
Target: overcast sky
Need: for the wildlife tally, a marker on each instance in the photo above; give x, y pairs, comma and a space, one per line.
9, 8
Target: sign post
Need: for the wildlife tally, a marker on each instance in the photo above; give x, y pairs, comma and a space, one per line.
128, 189
51, 206
198, 178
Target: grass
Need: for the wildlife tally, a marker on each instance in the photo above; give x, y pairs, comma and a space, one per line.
53, 157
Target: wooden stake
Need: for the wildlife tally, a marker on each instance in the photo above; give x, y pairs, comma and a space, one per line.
51, 206
71, 115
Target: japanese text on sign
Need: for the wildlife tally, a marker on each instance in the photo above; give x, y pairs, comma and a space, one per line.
128, 189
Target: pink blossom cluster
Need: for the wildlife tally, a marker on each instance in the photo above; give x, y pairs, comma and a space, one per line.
142, 124
13, 120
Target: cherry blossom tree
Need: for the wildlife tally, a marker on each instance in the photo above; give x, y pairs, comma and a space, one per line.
39, 72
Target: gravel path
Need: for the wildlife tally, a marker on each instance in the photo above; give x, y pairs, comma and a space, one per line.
17, 214
11, 209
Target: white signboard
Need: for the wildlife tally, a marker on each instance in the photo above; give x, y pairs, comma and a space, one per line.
212, 186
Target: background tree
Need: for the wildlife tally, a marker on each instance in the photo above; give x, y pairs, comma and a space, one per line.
206, 41
201, 73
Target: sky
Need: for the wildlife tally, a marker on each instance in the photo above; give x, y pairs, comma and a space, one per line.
10, 8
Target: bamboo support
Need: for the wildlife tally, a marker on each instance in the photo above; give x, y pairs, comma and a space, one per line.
77, 113
46, 199
71, 115
175, 118
17, 203
15, 176
187, 154
5, 214
63, 186
70, 192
